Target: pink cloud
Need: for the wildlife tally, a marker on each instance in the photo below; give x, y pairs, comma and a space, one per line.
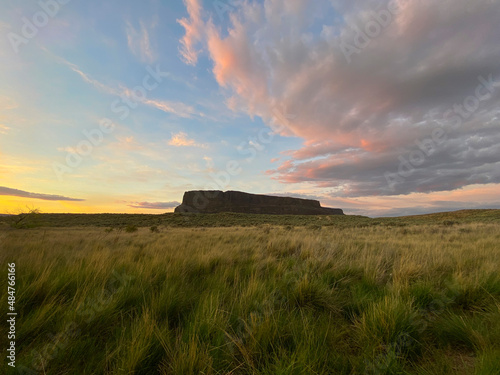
193, 27
358, 116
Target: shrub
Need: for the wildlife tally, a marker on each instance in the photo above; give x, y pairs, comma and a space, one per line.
131, 229
154, 229
26, 220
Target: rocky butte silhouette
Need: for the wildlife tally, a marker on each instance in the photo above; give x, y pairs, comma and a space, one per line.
216, 201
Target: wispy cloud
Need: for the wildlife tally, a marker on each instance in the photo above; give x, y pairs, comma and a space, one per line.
176, 108
86, 78
193, 26
181, 139
7, 103
154, 205
139, 42
210, 163
25, 194
68, 149
4, 129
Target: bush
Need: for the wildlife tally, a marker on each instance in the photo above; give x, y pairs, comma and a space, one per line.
154, 229
26, 220
108, 230
131, 229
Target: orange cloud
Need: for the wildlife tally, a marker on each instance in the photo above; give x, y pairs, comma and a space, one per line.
373, 146
4, 129
181, 140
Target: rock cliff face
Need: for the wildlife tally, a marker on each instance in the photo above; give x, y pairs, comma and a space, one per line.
214, 201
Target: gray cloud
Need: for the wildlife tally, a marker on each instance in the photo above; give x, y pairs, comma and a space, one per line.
360, 116
26, 194
154, 205
466, 158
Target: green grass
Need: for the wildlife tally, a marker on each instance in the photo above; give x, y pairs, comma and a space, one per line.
264, 299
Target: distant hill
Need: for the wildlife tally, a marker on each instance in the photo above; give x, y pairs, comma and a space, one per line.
462, 216
237, 219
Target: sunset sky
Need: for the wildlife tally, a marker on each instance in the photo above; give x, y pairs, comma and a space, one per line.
380, 108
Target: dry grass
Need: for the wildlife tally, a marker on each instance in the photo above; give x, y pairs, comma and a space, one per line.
258, 300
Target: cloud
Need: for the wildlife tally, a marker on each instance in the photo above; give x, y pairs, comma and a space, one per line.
210, 163
85, 77
4, 129
193, 31
154, 205
359, 114
26, 194
181, 139
180, 109
470, 197
7, 103
139, 42
176, 108
67, 149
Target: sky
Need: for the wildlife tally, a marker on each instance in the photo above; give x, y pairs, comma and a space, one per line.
381, 108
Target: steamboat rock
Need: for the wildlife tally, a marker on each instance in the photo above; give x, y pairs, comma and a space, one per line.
215, 201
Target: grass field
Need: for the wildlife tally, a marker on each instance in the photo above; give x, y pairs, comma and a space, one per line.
118, 221
286, 295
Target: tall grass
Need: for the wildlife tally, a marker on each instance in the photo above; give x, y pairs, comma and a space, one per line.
257, 300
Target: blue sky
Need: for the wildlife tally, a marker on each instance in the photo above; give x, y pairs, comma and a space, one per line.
226, 80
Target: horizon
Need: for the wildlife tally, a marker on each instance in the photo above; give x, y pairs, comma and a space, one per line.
380, 108
171, 212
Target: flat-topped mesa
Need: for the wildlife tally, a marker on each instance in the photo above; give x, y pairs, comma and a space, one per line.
215, 201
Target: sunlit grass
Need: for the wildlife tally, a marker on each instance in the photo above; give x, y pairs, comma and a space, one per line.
423, 299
